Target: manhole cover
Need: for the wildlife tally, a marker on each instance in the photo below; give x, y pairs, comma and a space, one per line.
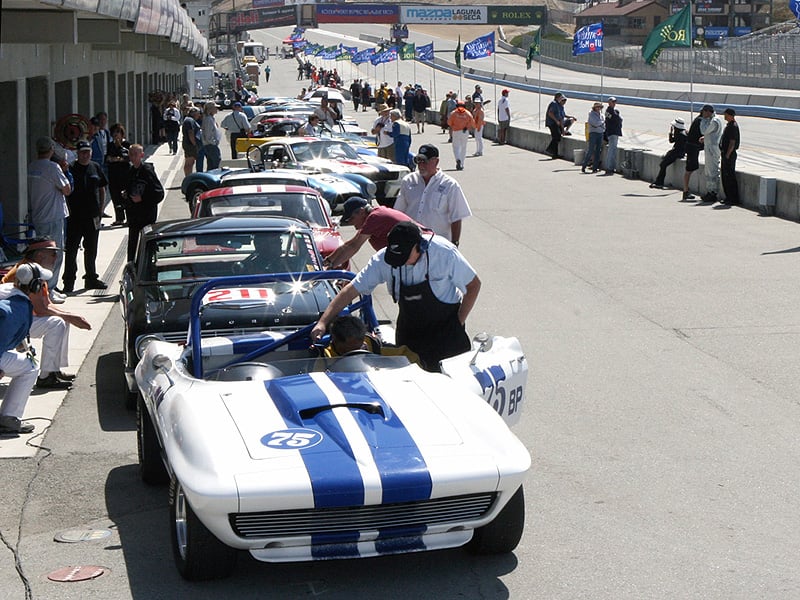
82, 573
70, 536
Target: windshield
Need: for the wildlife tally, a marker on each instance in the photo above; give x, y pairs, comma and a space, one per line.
327, 149
304, 207
206, 255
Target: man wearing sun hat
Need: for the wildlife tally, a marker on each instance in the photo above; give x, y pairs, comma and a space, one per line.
382, 129
677, 137
432, 283
597, 126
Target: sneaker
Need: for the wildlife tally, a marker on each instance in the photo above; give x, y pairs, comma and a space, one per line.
12, 425
688, 196
653, 186
69, 287
96, 284
52, 382
65, 376
566, 133
57, 298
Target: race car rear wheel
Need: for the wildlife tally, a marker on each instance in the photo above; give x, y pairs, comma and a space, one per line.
193, 195
151, 467
503, 534
198, 554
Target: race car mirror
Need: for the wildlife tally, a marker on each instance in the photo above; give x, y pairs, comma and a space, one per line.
484, 343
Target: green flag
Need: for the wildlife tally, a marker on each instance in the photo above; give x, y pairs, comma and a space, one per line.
675, 31
535, 48
343, 55
408, 51
458, 54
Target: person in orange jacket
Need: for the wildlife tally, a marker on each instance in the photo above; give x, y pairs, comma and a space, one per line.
460, 122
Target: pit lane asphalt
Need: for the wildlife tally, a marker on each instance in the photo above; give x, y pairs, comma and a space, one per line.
661, 409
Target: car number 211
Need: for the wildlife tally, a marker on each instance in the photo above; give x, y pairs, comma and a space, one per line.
292, 439
501, 393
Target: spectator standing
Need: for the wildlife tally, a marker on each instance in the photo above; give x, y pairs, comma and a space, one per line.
172, 125
677, 137
432, 198
711, 132
503, 117
48, 186
693, 146
443, 111
366, 96
16, 316
728, 146
328, 115
190, 139
612, 134
50, 323
477, 95
85, 204
408, 103
460, 122
143, 192
118, 163
422, 103
237, 125
156, 120
435, 288
554, 121
211, 136
479, 116
401, 135
372, 224
382, 130
597, 126
355, 93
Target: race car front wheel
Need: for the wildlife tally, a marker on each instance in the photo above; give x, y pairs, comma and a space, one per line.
502, 535
198, 554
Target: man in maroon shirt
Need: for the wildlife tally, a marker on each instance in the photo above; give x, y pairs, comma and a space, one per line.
372, 224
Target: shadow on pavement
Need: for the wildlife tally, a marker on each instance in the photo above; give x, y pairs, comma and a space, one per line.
111, 390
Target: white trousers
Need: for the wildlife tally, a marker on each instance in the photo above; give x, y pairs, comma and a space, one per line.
54, 332
712, 158
23, 373
479, 140
460, 139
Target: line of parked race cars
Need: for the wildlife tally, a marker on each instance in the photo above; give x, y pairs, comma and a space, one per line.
271, 448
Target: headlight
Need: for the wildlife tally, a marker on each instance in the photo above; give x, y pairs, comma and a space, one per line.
143, 341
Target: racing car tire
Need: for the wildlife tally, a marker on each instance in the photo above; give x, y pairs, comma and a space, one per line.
199, 555
192, 195
151, 467
502, 535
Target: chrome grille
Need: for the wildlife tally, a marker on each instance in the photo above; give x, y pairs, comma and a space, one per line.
312, 521
177, 337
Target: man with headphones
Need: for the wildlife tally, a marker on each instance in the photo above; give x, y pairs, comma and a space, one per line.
50, 323
16, 316
432, 283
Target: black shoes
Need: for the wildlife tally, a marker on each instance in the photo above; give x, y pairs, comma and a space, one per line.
459, 166
13, 426
64, 376
52, 382
69, 287
95, 284
583, 169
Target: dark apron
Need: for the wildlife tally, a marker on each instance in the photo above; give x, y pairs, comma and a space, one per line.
429, 326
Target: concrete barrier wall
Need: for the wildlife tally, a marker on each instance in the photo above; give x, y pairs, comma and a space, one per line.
787, 193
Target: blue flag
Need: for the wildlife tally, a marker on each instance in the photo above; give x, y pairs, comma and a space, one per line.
387, 56
426, 52
794, 6
363, 56
479, 47
588, 39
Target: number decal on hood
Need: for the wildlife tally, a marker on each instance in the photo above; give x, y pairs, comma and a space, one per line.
292, 439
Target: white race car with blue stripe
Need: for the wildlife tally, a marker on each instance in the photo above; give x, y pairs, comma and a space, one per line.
295, 458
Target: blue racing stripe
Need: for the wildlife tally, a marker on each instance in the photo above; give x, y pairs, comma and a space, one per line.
403, 472
335, 477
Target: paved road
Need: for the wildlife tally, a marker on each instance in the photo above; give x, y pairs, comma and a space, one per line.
661, 415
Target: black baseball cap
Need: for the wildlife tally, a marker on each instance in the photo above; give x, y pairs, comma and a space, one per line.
351, 206
83, 145
428, 151
401, 240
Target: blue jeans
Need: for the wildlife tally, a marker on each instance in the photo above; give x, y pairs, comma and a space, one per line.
593, 150
213, 156
611, 153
